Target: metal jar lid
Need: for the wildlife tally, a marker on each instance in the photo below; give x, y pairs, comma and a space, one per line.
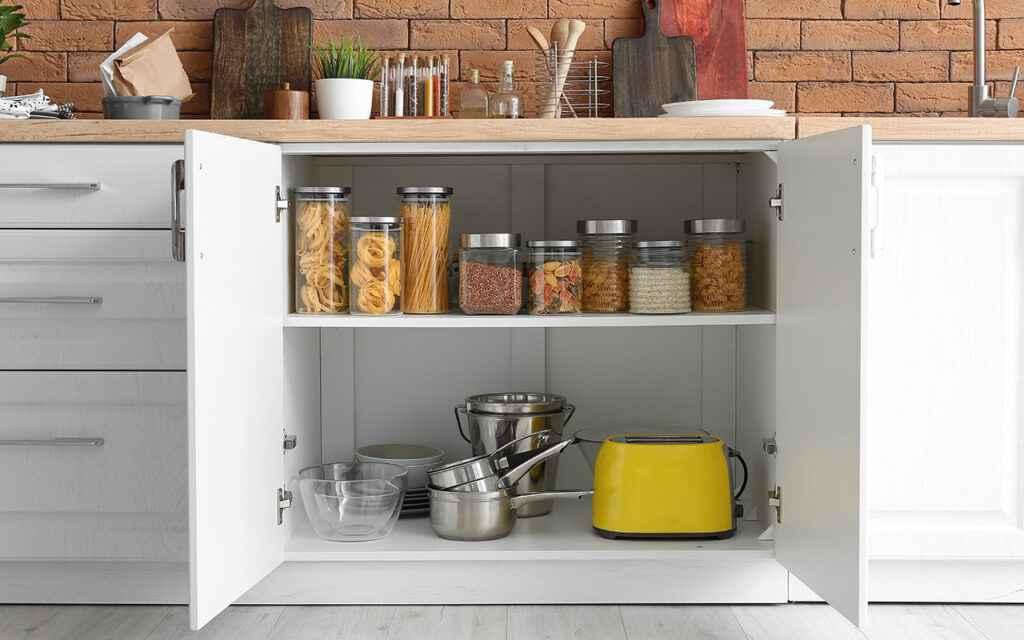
315, 193
515, 403
441, 191
660, 244
490, 240
606, 226
715, 225
376, 220
553, 244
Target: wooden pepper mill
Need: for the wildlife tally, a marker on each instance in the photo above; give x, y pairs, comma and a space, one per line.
286, 104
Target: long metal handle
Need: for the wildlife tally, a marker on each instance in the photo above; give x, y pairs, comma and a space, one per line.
80, 186
518, 472
177, 187
56, 442
1013, 87
543, 433
527, 498
54, 300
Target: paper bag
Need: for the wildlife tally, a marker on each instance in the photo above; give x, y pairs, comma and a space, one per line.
152, 69
107, 66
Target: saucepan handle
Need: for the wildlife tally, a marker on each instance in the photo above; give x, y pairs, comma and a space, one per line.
535, 434
516, 473
527, 498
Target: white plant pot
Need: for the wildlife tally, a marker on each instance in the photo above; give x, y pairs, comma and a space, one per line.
344, 98
3, 84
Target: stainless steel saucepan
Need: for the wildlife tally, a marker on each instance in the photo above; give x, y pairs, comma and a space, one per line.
504, 480
474, 516
470, 469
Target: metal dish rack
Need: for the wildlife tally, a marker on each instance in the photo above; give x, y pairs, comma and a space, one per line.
585, 93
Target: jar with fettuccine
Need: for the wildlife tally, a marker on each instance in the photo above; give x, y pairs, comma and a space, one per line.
376, 271
321, 248
426, 218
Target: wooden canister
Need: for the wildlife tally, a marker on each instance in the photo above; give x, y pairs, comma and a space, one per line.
286, 104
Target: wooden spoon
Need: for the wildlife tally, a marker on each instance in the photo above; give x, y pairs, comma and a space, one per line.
566, 48
542, 44
560, 32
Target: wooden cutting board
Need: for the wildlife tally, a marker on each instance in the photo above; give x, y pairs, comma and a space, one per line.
256, 50
718, 29
651, 70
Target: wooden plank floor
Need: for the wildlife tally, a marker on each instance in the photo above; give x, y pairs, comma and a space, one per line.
632, 622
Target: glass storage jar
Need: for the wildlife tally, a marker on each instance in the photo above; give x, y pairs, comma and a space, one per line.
718, 264
490, 273
426, 217
376, 272
607, 249
659, 278
321, 245
553, 277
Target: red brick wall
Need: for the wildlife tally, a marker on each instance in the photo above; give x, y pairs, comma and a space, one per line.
903, 57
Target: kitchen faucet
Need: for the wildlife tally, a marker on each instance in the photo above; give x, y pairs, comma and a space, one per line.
982, 104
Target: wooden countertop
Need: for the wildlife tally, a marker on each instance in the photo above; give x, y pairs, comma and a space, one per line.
920, 129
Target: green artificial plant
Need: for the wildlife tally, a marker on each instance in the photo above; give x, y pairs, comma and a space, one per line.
11, 23
349, 59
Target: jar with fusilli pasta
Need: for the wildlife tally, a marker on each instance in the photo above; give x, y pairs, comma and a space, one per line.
608, 247
321, 248
718, 264
376, 272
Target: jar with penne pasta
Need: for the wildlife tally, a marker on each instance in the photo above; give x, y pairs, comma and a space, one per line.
426, 217
321, 248
375, 276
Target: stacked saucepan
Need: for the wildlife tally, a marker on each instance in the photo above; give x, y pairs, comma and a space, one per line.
476, 499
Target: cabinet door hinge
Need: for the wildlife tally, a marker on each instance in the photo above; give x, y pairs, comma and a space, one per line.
775, 500
282, 205
769, 445
290, 441
284, 501
775, 202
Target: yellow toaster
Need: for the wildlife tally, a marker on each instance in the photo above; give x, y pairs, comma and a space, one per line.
664, 486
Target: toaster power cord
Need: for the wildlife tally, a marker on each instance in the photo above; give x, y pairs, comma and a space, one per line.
736, 454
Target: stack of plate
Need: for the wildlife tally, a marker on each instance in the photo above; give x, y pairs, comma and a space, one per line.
417, 459
712, 108
417, 502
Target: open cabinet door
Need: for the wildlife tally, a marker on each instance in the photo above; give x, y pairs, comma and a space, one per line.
235, 367
821, 535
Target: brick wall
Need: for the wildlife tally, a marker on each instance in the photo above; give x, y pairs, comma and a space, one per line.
902, 57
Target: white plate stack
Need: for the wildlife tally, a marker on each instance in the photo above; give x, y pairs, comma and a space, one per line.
721, 108
418, 459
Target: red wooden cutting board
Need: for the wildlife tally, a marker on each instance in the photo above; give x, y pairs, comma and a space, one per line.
719, 34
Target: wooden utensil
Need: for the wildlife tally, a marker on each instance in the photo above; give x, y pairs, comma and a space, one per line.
286, 104
560, 32
256, 50
542, 44
565, 50
719, 36
653, 69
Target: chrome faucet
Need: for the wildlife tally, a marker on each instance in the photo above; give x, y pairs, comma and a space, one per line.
984, 105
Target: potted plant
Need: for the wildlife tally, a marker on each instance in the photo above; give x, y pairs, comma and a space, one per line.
10, 24
347, 70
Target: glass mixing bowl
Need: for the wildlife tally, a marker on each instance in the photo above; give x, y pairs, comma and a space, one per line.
353, 501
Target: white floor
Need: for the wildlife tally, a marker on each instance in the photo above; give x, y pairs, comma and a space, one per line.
633, 622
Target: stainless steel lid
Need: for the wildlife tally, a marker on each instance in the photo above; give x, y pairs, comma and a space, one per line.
715, 225
660, 244
606, 226
490, 240
515, 403
553, 244
376, 220
445, 191
322, 191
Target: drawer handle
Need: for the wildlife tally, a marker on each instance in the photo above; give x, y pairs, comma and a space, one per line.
54, 300
177, 187
56, 442
79, 186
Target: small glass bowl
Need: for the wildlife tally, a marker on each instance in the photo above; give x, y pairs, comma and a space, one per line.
353, 501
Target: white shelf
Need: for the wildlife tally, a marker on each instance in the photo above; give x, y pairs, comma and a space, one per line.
462, 321
564, 534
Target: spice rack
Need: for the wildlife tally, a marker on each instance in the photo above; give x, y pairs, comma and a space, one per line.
415, 88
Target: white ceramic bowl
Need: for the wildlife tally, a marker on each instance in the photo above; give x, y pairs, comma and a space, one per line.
417, 458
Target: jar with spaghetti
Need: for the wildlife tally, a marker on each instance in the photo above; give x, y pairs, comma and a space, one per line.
659, 278
553, 277
426, 217
376, 272
718, 264
321, 247
607, 249
490, 273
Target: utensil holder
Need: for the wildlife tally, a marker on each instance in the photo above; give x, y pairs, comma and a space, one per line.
585, 92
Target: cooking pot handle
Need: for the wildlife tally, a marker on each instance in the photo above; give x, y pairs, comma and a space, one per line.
535, 434
572, 410
527, 498
458, 421
516, 473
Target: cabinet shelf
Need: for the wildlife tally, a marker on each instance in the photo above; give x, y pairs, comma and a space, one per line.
564, 534
462, 321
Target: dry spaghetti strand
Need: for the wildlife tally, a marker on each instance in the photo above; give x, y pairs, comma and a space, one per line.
425, 253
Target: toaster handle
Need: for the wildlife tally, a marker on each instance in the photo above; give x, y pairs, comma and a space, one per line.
743, 463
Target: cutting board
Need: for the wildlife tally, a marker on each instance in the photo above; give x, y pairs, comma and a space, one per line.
719, 33
256, 50
653, 69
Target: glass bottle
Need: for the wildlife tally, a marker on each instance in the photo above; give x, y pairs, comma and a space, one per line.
507, 102
474, 98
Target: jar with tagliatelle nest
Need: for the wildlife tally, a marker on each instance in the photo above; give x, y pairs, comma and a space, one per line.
718, 264
321, 249
426, 218
376, 272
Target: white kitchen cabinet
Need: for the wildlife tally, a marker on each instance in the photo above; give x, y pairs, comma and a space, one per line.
795, 367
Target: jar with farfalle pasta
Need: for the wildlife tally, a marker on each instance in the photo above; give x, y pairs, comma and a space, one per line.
321, 249
718, 264
375, 277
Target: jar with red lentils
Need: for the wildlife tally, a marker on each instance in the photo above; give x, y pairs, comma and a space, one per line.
607, 248
718, 263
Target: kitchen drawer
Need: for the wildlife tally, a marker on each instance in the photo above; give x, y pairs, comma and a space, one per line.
90, 300
47, 186
140, 469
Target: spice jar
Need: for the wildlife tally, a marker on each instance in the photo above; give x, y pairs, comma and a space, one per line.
554, 277
321, 246
376, 272
490, 273
426, 216
607, 248
718, 270
659, 278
